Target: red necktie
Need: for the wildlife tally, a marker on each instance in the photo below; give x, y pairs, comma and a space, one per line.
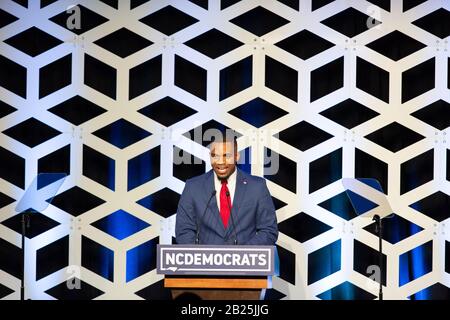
224, 207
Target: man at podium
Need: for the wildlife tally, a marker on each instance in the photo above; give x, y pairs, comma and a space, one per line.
226, 205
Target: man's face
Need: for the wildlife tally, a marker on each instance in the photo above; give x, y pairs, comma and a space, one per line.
223, 158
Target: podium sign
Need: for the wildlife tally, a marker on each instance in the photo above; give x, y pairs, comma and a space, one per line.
215, 260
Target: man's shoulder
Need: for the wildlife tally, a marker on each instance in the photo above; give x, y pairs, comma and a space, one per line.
251, 178
198, 179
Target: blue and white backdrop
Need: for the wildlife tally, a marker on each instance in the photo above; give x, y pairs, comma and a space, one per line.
115, 92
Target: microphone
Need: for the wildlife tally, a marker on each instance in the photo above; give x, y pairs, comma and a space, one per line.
197, 240
231, 216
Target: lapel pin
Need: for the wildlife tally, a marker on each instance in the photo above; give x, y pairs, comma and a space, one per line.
245, 181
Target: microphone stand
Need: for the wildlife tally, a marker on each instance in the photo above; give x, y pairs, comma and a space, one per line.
25, 223
197, 236
231, 216
379, 230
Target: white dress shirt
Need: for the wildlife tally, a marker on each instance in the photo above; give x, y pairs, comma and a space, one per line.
231, 184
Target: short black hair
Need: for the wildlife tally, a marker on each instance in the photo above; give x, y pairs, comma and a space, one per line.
223, 136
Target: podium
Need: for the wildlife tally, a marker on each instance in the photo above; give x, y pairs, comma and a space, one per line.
205, 272
216, 288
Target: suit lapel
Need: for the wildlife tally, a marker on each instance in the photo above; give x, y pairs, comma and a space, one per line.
213, 206
239, 196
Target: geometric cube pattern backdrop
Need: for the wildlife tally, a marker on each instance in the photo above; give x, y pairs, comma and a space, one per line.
114, 92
